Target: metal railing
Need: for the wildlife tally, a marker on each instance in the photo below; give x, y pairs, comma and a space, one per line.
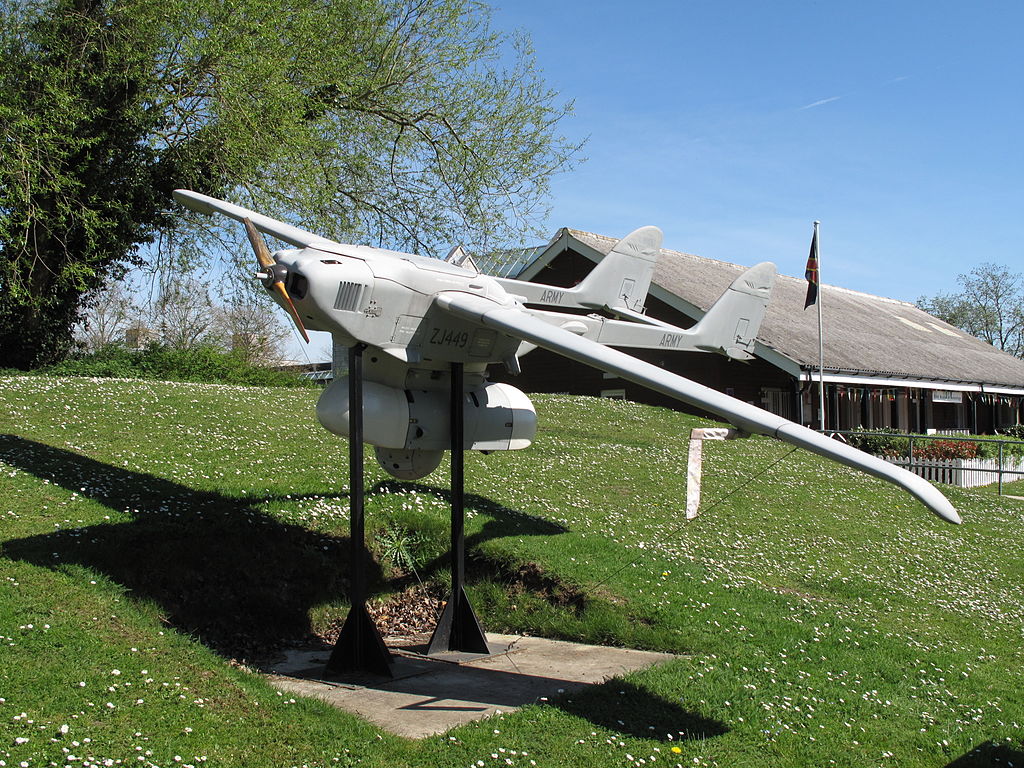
922, 466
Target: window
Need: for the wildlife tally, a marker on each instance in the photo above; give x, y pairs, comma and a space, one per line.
778, 401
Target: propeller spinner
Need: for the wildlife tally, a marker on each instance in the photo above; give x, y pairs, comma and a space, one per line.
274, 280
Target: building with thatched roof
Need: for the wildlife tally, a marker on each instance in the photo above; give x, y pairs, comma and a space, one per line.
886, 362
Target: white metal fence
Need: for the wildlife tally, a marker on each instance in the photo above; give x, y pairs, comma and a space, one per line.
965, 473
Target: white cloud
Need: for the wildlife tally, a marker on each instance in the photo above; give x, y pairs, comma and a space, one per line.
821, 101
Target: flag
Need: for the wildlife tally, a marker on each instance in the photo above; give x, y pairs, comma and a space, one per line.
811, 273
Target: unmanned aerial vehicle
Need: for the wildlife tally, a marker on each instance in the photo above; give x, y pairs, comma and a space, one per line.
419, 318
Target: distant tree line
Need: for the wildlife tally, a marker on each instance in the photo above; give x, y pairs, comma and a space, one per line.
183, 316
989, 305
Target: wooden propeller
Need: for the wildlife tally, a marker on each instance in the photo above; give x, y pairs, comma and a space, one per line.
274, 281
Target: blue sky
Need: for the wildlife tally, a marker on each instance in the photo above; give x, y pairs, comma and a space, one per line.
734, 125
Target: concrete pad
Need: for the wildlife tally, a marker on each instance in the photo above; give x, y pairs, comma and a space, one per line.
432, 694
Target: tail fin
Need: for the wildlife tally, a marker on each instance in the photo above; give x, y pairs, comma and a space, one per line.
619, 282
622, 278
732, 323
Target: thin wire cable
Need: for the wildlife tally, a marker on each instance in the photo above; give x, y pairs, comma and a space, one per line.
302, 345
683, 524
679, 527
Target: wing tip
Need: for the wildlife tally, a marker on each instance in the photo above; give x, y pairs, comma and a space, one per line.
949, 514
193, 201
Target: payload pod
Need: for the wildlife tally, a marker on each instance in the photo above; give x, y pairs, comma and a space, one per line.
411, 428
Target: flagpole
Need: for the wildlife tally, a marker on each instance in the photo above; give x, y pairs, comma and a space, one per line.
821, 338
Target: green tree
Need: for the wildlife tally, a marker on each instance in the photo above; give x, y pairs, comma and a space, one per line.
409, 123
989, 305
80, 186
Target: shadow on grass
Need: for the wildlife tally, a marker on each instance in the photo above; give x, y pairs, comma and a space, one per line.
243, 582
504, 521
455, 694
218, 567
989, 754
630, 709
501, 522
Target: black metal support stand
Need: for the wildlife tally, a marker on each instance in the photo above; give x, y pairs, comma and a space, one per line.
360, 647
458, 628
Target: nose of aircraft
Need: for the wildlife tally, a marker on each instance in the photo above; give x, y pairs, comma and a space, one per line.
275, 273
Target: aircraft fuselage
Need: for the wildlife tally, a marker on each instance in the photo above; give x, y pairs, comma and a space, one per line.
388, 303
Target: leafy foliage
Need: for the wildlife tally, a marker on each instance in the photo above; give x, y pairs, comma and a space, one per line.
163, 362
891, 443
990, 448
80, 184
402, 548
989, 305
411, 124
887, 441
941, 450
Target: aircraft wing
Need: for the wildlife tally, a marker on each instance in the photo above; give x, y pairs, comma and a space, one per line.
300, 238
517, 323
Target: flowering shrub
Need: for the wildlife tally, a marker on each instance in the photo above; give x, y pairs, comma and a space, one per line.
940, 450
894, 444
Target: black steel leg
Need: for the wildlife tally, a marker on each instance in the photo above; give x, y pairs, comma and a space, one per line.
360, 647
458, 628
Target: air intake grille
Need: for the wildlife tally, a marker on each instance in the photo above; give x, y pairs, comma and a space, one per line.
350, 296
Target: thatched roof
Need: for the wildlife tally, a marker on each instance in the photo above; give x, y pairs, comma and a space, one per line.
864, 334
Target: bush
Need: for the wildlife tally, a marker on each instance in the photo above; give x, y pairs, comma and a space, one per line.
205, 363
1015, 432
891, 443
943, 450
895, 444
990, 450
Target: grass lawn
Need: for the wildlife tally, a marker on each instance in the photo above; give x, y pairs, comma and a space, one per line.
155, 536
1011, 486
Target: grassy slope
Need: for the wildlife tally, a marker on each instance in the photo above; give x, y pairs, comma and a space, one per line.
824, 618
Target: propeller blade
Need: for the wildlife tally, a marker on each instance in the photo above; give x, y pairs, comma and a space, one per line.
279, 287
266, 261
259, 245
